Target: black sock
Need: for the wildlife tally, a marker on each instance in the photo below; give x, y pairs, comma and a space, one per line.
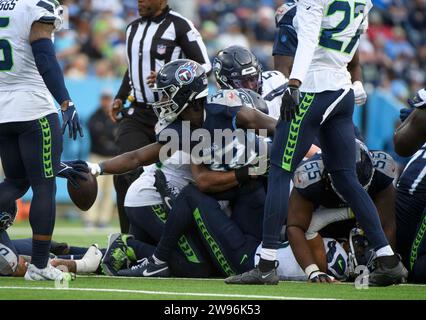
40, 255
266, 265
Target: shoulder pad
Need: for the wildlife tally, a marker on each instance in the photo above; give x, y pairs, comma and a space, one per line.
282, 10
308, 173
228, 97
384, 163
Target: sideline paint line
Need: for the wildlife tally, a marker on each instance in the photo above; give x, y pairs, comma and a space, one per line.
166, 293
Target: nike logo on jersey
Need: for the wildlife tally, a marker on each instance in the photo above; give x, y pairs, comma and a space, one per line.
149, 274
167, 201
307, 8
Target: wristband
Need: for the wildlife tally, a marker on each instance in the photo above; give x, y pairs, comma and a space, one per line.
311, 269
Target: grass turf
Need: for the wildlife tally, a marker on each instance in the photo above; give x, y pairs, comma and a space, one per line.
95, 287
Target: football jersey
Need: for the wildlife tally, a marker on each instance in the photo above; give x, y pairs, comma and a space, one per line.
274, 84
289, 268
285, 41
23, 94
311, 182
328, 34
413, 179
142, 191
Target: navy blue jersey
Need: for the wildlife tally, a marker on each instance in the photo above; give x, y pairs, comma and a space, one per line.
312, 183
285, 43
227, 147
413, 179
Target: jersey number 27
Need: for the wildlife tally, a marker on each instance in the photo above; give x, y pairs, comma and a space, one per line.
6, 59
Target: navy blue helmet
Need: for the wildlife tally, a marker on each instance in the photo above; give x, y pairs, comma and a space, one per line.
179, 82
7, 216
237, 67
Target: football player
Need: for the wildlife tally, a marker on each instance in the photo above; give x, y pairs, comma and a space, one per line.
319, 101
411, 189
313, 188
30, 133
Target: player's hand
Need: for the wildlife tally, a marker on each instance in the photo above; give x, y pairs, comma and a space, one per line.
419, 101
290, 103
73, 171
94, 168
320, 277
150, 80
404, 113
114, 109
70, 119
359, 92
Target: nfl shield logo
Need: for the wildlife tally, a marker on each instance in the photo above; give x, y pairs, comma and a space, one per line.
161, 49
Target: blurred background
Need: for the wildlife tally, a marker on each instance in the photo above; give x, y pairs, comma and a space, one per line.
92, 54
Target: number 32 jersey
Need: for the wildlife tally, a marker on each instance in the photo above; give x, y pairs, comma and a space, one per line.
23, 94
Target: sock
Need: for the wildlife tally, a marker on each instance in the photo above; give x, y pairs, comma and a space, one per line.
268, 254
140, 249
385, 251
266, 265
40, 253
157, 261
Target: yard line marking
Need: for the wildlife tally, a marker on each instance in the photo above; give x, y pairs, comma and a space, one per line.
167, 293
64, 231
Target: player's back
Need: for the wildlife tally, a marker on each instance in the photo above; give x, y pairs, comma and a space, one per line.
342, 24
18, 71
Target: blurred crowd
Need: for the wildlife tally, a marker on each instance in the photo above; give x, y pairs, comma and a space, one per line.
393, 52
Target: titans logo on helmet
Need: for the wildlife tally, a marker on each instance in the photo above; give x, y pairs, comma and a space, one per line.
185, 74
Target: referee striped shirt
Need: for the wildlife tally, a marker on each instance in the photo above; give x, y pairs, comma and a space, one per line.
153, 42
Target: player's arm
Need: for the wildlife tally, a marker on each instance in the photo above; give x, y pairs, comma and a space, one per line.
120, 98
385, 204
127, 161
411, 134
250, 118
299, 218
49, 69
354, 68
209, 181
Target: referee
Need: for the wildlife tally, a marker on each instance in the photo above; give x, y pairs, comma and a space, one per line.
161, 35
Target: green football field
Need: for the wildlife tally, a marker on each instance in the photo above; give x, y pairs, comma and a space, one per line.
100, 287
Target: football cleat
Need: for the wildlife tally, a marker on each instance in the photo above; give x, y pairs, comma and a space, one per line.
146, 268
255, 276
49, 273
388, 270
116, 257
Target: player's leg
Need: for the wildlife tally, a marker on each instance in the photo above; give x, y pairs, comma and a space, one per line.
15, 184
131, 135
337, 139
41, 148
418, 253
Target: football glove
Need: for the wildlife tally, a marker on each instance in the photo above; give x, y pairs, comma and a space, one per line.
72, 171
290, 103
419, 101
359, 92
95, 169
163, 189
404, 113
70, 119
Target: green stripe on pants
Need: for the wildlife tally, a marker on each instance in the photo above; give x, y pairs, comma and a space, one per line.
417, 241
183, 242
293, 134
47, 147
213, 245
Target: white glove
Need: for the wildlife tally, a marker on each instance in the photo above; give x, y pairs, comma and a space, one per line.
360, 94
94, 169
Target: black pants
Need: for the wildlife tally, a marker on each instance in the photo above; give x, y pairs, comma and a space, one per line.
135, 131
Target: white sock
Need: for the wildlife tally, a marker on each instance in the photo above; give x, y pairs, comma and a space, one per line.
385, 251
90, 261
157, 261
80, 266
268, 254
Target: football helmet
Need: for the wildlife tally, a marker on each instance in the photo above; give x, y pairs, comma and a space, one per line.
7, 216
364, 167
237, 67
178, 82
360, 254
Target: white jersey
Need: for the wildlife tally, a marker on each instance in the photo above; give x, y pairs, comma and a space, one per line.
142, 192
328, 34
273, 87
23, 94
289, 268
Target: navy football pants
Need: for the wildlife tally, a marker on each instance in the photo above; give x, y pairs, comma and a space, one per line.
327, 115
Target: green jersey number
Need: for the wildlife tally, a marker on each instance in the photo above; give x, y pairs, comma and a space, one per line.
6, 56
327, 37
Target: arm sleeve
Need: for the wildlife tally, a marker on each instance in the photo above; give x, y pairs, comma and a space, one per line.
308, 24
125, 88
192, 44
